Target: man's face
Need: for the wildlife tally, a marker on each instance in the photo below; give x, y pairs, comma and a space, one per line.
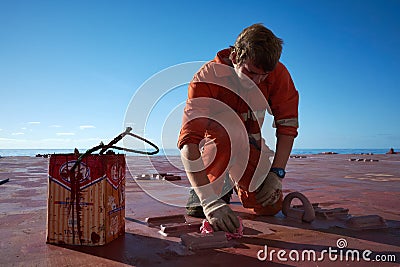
257, 75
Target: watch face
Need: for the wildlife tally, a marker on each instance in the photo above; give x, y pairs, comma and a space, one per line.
280, 172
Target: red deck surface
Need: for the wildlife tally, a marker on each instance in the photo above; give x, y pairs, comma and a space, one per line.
365, 188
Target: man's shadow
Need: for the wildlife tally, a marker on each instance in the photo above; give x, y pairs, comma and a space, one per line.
141, 250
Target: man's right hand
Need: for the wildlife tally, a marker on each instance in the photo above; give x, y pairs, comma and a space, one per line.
221, 216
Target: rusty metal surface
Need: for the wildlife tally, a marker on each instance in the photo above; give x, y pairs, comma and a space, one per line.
334, 181
159, 220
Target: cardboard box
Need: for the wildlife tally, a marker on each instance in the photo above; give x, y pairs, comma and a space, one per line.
88, 209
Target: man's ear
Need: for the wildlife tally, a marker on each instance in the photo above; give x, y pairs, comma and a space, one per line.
232, 57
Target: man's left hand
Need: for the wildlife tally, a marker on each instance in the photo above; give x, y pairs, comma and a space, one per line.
270, 190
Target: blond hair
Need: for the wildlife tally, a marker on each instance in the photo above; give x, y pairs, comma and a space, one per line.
260, 45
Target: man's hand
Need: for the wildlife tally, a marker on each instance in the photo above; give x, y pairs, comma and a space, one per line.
220, 216
270, 190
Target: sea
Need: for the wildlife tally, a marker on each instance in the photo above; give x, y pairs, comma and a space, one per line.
175, 152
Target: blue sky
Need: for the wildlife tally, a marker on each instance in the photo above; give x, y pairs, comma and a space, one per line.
68, 69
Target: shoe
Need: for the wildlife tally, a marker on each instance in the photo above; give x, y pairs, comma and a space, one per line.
227, 197
193, 207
